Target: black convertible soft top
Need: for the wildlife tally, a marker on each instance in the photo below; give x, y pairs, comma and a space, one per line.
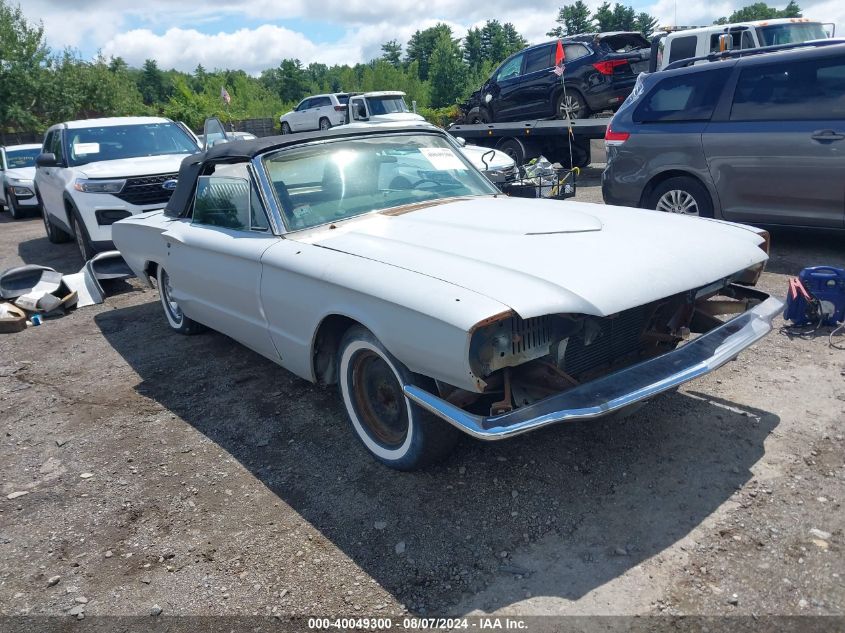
234, 151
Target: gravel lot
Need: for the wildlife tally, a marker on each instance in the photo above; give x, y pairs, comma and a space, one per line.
188, 475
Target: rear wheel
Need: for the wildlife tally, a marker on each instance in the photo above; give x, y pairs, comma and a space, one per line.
682, 195
175, 317
572, 106
285, 128
325, 124
521, 151
395, 431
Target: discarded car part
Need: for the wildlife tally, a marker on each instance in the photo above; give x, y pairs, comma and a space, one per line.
86, 286
22, 280
109, 265
618, 390
12, 318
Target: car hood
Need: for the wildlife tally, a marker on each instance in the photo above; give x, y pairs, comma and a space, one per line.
21, 173
141, 166
543, 257
494, 158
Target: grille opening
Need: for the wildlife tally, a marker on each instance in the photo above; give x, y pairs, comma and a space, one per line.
146, 190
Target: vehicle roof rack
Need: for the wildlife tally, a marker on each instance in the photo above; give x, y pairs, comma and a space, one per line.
741, 52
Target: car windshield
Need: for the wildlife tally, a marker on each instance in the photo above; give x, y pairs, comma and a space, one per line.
331, 181
88, 145
386, 105
18, 158
793, 33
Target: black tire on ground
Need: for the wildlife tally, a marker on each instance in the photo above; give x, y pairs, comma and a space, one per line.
176, 319
683, 195
80, 234
574, 103
55, 234
395, 431
285, 128
325, 124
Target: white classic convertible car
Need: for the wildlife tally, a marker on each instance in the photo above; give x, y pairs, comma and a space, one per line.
437, 304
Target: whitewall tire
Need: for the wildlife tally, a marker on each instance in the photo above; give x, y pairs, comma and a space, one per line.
395, 431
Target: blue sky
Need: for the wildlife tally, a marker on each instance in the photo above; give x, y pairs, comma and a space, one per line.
257, 34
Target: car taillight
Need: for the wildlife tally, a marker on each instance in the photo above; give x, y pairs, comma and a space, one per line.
606, 67
615, 138
340, 108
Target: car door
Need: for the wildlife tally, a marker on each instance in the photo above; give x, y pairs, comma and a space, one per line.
50, 179
777, 152
214, 257
299, 118
319, 109
504, 90
533, 93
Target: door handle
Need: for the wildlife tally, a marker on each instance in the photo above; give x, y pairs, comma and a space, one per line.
827, 135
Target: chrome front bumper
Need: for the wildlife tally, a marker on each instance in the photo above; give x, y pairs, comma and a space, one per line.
619, 389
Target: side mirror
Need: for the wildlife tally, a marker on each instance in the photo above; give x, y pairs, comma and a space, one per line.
461, 141
726, 42
46, 159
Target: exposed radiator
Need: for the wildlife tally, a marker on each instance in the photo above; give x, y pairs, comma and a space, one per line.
612, 338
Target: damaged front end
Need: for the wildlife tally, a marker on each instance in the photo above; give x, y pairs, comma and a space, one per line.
539, 371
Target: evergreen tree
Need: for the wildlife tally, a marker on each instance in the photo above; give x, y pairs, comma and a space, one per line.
421, 46
447, 72
761, 11
573, 19
391, 52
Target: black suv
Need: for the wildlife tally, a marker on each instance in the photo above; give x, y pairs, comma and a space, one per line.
600, 72
756, 137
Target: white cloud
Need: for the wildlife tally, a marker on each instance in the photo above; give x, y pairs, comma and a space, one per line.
178, 34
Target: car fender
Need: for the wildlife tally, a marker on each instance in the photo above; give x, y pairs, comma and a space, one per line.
302, 284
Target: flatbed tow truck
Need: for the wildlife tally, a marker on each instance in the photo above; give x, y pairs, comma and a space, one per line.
524, 140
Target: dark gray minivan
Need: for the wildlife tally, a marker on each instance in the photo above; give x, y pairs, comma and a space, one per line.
757, 139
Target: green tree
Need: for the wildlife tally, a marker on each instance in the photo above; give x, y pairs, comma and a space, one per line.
447, 72
514, 42
152, 83
23, 60
421, 46
391, 52
573, 19
645, 23
473, 50
289, 80
761, 11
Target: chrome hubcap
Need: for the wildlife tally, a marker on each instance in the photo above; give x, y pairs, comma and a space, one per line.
678, 201
166, 293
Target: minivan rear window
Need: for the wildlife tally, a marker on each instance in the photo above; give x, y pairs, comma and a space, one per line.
806, 90
685, 97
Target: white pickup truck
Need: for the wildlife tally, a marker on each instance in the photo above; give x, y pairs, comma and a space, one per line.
389, 107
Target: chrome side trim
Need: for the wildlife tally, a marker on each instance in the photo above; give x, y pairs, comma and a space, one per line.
619, 389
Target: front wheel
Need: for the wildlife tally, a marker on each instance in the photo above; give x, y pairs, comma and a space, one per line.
55, 234
12, 205
285, 128
83, 243
682, 195
176, 319
395, 431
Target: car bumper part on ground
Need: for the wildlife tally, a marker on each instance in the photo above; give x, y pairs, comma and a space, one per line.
619, 389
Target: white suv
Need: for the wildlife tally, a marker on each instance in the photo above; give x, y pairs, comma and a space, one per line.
319, 112
94, 172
